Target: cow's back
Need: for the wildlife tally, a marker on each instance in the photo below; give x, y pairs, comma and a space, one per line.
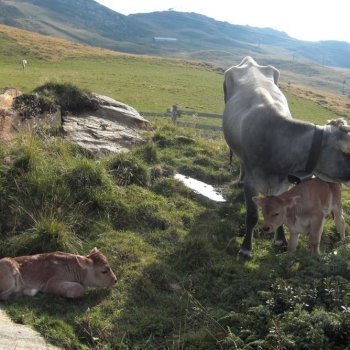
315, 195
253, 102
38, 269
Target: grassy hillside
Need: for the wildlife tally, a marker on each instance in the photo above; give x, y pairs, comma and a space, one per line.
180, 285
86, 21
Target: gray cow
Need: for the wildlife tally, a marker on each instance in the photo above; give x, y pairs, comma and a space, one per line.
259, 129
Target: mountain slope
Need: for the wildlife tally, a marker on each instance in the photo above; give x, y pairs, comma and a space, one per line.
198, 36
81, 20
205, 32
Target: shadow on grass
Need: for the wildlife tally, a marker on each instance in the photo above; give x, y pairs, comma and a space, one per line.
177, 301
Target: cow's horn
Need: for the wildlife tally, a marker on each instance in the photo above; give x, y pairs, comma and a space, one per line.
345, 128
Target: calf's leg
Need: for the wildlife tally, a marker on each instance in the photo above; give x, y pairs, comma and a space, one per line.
315, 234
293, 242
66, 289
339, 221
280, 238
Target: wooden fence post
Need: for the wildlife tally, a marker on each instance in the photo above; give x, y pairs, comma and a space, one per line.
174, 113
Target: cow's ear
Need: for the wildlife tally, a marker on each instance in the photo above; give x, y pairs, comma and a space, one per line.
276, 75
291, 201
258, 200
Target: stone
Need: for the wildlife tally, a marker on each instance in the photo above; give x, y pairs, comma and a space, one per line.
7, 114
113, 127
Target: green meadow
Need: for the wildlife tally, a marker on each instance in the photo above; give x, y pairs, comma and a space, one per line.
180, 284
148, 84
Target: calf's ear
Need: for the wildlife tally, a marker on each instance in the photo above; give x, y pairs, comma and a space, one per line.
93, 251
95, 255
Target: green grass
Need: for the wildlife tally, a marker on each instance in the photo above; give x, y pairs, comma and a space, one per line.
144, 83
304, 109
180, 285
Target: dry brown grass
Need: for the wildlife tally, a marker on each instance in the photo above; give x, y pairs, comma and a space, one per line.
52, 48
335, 102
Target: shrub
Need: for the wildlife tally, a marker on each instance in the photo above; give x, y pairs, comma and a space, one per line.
31, 105
68, 96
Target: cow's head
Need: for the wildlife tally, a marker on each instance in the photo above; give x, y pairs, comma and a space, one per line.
98, 271
334, 160
274, 210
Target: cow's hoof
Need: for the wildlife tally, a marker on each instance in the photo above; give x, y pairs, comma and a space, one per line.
245, 254
238, 183
281, 245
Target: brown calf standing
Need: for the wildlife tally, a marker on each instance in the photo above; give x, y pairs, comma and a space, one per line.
58, 273
303, 209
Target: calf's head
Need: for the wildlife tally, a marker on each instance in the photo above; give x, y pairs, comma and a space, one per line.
98, 272
274, 210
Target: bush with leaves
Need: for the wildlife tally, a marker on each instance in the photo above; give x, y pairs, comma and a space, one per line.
32, 105
53, 96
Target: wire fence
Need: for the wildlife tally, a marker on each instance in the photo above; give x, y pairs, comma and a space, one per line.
174, 113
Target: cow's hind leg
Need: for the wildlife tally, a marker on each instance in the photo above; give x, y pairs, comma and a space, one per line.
251, 221
240, 180
66, 289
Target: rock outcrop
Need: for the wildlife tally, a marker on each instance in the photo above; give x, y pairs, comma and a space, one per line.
112, 127
6, 113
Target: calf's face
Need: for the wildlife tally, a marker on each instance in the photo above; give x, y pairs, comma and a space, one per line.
274, 210
99, 273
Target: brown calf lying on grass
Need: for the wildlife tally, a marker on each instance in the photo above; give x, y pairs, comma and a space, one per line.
303, 209
58, 273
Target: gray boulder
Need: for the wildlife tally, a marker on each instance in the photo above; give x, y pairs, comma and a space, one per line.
113, 127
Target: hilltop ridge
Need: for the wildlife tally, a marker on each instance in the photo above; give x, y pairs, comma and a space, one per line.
198, 36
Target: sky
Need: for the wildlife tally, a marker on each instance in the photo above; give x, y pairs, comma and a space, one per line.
311, 20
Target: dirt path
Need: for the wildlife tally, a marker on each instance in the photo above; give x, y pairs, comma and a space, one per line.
15, 336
